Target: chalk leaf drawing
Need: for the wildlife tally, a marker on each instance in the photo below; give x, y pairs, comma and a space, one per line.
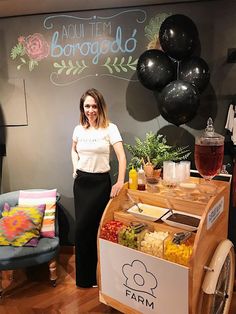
70, 68
119, 66
30, 50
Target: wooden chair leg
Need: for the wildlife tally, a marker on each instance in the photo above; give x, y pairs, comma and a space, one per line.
1, 287
53, 271
11, 275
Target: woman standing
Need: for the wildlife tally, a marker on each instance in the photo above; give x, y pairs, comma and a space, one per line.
90, 154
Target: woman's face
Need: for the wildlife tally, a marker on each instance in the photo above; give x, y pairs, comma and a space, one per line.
90, 110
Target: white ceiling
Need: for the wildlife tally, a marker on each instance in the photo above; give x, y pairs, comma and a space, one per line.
26, 7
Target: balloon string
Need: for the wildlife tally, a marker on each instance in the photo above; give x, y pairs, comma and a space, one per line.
178, 65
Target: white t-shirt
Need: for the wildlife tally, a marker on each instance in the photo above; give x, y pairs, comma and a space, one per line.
93, 147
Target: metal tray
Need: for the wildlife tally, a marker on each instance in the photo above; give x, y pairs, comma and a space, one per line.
149, 212
179, 224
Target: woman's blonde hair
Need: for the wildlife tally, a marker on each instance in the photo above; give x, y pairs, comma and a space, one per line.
102, 120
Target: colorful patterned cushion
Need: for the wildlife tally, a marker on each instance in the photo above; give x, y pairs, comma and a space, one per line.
21, 226
48, 197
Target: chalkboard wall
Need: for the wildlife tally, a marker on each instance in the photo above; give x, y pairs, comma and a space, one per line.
48, 61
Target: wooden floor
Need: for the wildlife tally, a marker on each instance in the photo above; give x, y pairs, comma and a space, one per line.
31, 293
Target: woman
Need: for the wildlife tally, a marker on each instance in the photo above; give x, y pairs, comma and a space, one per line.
90, 154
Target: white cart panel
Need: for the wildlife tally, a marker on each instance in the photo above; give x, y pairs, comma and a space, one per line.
145, 283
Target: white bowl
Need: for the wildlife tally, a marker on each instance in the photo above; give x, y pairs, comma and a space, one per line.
184, 226
149, 212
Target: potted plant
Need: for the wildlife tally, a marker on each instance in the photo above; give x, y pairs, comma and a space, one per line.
153, 151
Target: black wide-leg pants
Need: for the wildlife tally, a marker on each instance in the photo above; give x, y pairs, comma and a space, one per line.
91, 195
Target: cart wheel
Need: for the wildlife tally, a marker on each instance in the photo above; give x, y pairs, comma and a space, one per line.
219, 280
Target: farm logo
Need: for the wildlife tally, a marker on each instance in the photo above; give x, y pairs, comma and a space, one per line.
140, 284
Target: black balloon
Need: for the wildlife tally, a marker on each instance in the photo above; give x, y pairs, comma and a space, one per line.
178, 36
195, 71
179, 102
155, 69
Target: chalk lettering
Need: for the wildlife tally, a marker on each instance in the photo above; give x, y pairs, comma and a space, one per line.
105, 47
131, 41
94, 48
85, 48
68, 50
72, 31
56, 50
100, 29
107, 28
64, 33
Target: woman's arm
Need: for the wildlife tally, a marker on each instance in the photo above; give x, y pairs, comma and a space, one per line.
120, 154
74, 157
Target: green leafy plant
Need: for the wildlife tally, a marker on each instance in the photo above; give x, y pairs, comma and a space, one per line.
155, 150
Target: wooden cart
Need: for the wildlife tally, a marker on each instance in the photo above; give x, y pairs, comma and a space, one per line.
205, 286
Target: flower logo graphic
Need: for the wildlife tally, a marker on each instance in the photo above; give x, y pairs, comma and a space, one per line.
138, 278
30, 50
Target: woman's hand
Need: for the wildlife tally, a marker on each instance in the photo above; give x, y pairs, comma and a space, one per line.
119, 150
115, 190
74, 157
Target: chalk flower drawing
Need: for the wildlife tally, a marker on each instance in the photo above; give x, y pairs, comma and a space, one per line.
152, 30
30, 50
